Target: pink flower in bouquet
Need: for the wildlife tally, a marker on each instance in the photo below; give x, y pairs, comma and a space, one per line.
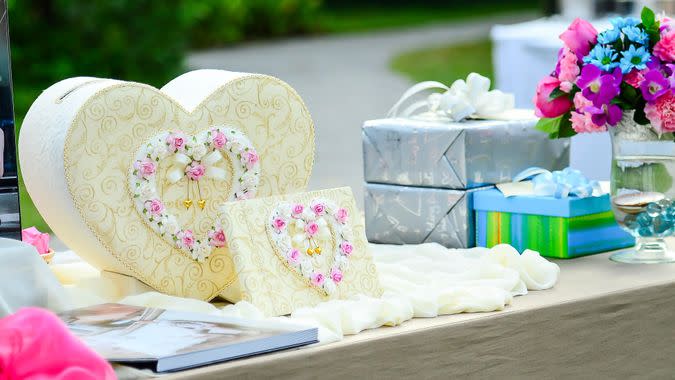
550, 108
580, 102
336, 275
195, 171
293, 256
154, 207
145, 168
311, 229
579, 37
634, 77
219, 139
36, 344
318, 208
250, 158
297, 210
317, 279
37, 239
187, 239
665, 48
661, 113
279, 224
217, 238
582, 123
569, 70
176, 141
342, 215
346, 248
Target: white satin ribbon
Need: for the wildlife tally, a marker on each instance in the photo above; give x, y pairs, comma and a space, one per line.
463, 99
177, 171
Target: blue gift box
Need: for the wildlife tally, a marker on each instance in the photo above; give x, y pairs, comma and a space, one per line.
555, 227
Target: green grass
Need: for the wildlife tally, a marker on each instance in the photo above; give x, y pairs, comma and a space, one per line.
446, 63
370, 19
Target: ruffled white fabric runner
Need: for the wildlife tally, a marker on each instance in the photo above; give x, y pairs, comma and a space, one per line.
419, 281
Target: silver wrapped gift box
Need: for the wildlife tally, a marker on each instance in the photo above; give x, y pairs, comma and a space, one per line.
457, 155
414, 215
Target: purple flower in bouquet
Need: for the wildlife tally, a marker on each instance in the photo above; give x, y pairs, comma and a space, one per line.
605, 114
634, 58
654, 85
599, 88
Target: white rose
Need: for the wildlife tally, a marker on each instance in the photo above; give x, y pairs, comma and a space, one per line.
233, 146
169, 225
342, 262
284, 245
145, 190
158, 151
306, 267
284, 208
329, 286
347, 233
198, 151
200, 252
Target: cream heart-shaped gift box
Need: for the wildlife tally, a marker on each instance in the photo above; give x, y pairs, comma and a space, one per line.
131, 177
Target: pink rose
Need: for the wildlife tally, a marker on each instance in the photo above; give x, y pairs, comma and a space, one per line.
36, 344
346, 248
665, 48
297, 210
317, 279
154, 207
219, 140
634, 77
279, 224
195, 171
318, 208
336, 275
342, 215
187, 239
176, 141
293, 256
579, 37
145, 168
580, 102
37, 239
582, 123
569, 70
217, 238
545, 107
311, 229
661, 113
250, 158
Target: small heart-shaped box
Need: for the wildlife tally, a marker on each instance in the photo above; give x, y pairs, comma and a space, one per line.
298, 250
131, 177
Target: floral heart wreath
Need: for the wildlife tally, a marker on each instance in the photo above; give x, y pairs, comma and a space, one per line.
195, 158
321, 218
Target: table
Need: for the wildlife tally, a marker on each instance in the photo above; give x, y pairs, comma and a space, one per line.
603, 319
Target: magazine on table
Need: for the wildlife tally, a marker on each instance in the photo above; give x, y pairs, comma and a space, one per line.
166, 340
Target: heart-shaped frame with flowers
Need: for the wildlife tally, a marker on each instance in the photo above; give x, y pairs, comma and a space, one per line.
321, 217
194, 158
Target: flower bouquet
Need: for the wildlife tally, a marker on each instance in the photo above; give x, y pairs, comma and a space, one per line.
623, 80
600, 77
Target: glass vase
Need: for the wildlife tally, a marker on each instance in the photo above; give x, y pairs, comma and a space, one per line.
643, 167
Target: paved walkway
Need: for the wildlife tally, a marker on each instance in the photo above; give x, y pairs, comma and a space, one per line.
344, 80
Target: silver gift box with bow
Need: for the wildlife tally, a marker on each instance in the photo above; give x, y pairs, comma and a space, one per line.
456, 155
415, 215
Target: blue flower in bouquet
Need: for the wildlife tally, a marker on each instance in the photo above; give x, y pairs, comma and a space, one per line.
635, 34
609, 36
619, 22
603, 57
634, 58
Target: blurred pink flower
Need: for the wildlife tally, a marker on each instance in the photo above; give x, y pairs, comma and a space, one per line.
661, 113
550, 108
37, 239
579, 37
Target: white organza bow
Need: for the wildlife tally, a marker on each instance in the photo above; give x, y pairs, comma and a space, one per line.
177, 171
470, 98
